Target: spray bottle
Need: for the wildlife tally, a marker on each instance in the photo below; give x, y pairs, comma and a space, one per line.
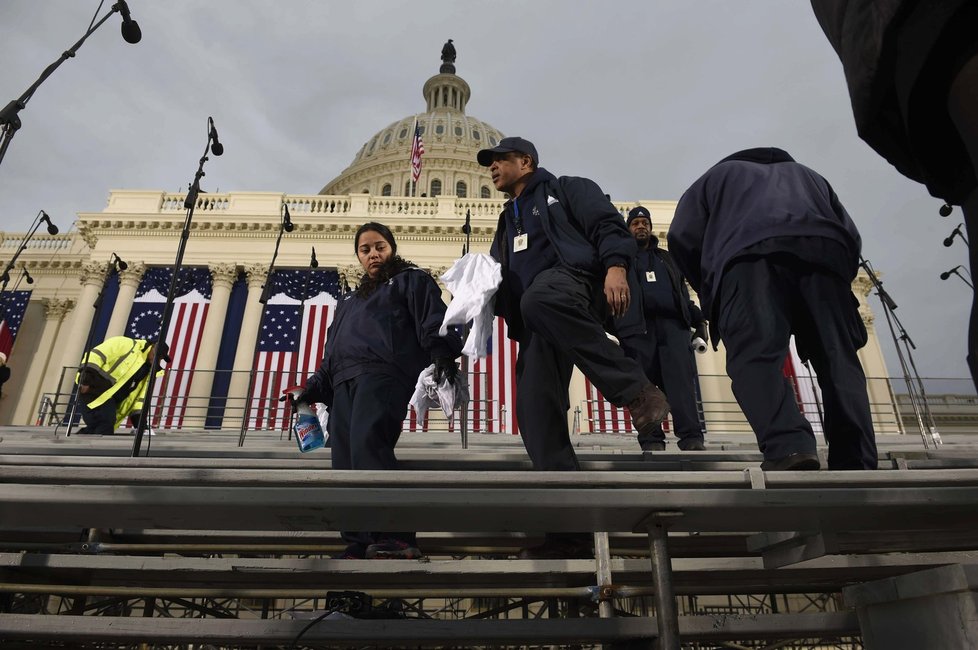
308, 432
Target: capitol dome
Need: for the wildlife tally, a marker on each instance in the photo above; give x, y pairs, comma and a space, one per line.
451, 139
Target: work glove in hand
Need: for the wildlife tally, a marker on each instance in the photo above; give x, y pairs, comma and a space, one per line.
445, 370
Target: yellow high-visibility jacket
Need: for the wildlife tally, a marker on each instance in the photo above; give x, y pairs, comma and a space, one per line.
117, 359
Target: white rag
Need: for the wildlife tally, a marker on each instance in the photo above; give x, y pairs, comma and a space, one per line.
472, 281
428, 394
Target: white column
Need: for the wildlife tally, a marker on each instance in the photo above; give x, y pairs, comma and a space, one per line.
73, 345
885, 412
128, 284
54, 313
244, 357
223, 277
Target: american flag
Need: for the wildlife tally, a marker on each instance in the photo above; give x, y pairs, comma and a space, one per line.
190, 306
290, 350
14, 305
492, 385
604, 416
417, 150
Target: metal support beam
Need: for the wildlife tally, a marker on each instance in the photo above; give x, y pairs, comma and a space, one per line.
602, 556
422, 633
784, 549
666, 612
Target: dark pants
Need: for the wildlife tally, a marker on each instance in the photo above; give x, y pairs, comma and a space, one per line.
364, 425
762, 303
563, 315
101, 419
667, 358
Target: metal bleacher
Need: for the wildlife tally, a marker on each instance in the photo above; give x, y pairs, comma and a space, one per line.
206, 542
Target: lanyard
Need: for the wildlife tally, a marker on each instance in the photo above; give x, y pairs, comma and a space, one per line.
516, 216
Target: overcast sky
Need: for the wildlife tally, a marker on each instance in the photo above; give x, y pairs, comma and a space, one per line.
641, 96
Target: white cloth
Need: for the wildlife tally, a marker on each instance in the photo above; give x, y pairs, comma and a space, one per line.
428, 394
472, 281
322, 415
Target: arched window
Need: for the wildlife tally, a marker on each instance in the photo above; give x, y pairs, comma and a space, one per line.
486, 193
385, 190
435, 187
461, 189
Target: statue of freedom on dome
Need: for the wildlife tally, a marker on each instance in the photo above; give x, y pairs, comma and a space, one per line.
448, 57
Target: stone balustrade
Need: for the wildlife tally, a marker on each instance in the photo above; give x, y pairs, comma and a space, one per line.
38, 242
365, 206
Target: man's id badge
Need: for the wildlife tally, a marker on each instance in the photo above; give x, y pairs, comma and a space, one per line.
650, 276
519, 243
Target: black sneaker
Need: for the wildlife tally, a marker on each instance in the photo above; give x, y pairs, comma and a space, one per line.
694, 445
792, 463
393, 549
653, 445
565, 548
355, 551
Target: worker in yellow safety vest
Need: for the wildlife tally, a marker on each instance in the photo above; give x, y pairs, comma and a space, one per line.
112, 381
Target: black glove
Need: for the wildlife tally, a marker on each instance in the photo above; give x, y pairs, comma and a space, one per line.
134, 417
445, 369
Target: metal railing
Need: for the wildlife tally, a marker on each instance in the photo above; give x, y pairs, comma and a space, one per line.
176, 407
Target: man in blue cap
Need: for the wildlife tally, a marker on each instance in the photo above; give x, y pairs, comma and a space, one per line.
565, 253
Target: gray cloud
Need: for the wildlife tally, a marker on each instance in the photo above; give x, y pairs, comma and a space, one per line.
640, 96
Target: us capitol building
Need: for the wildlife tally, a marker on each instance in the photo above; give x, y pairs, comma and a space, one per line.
230, 246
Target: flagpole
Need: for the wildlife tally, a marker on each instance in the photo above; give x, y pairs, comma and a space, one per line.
414, 143
464, 431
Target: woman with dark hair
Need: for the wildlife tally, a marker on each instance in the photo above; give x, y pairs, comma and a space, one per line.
383, 335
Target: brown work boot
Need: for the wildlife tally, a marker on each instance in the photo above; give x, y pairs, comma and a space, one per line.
649, 409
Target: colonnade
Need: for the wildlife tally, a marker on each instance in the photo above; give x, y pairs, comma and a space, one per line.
64, 331
60, 334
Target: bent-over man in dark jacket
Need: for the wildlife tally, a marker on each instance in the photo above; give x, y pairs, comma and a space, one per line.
565, 253
771, 252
